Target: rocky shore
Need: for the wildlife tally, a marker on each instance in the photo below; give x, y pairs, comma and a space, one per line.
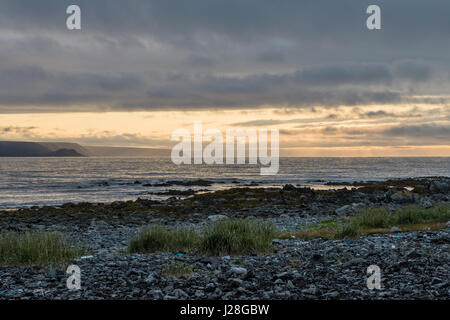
414, 265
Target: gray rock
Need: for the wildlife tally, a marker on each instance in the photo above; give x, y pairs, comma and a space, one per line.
290, 285
284, 275
53, 273
439, 186
358, 206
310, 291
180, 294
354, 262
345, 210
396, 229
199, 293
403, 197
436, 280
332, 294
412, 253
278, 281
239, 271
236, 282
217, 217
317, 258
151, 278
156, 294
425, 202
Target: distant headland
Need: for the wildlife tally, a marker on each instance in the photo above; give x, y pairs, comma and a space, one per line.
67, 149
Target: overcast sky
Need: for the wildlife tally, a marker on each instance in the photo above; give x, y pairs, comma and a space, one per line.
310, 68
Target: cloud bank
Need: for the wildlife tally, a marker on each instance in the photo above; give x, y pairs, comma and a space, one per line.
165, 55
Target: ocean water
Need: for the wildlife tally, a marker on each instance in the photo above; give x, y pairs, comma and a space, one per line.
53, 181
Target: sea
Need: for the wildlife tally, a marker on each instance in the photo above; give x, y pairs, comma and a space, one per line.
26, 182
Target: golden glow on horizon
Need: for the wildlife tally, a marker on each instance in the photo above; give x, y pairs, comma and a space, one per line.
340, 131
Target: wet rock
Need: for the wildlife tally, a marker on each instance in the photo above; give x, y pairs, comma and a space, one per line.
289, 187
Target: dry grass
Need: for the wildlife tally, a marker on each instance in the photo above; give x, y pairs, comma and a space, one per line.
378, 220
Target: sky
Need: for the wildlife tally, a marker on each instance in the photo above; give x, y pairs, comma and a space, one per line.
138, 70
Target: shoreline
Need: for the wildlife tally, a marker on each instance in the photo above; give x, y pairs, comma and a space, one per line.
186, 188
413, 263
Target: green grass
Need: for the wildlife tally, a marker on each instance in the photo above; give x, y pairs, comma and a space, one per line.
412, 215
378, 220
224, 237
382, 218
241, 236
347, 232
160, 239
373, 218
36, 248
238, 236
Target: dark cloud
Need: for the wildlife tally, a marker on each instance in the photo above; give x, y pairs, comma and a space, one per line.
257, 123
378, 114
421, 131
327, 86
147, 55
413, 70
394, 135
25, 131
124, 139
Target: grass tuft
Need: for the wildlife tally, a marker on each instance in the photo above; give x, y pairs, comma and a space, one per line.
160, 239
378, 220
230, 236
348, 232
238, 236
373, 218
382, 218
36, 248
413, 215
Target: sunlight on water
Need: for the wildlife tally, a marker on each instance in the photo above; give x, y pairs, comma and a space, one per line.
40, 181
